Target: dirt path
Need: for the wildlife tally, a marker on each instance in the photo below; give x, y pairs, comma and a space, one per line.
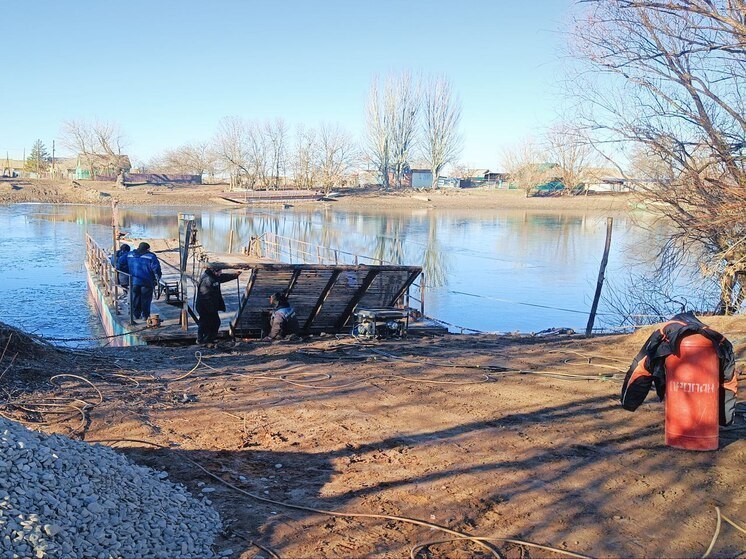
333, 425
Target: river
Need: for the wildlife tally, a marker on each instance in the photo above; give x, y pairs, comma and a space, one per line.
489, 270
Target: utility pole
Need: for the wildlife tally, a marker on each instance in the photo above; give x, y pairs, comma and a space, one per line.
600, 281
53, 164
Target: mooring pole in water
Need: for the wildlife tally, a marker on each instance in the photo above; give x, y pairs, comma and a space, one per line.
600, 281
186, 226
230, 241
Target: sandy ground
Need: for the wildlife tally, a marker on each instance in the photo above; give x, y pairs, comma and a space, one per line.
333, 424
101, 193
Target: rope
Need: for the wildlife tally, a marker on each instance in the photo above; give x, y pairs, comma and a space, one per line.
462, 328
93, 339
715, 535
537, 305
718, 524
419, 547
482, 542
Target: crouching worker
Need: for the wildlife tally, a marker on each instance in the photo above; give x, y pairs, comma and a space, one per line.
210, 302
283, 321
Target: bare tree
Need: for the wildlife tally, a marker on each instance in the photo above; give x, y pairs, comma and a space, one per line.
461, 170
403, 100
303, 161
673, 81
526, 163
441, 118
379, 111
335, 156
232, 149
258, 159
99, 143
189, 159
569, 147
275, 149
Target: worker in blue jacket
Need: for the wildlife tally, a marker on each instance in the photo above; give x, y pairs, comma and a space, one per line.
145, 271
120, 263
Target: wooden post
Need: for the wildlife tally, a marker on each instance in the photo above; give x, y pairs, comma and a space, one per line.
230, 241
600, 281
422, 294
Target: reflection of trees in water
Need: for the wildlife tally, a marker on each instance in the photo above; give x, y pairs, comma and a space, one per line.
389, 246
546, 236
434, 258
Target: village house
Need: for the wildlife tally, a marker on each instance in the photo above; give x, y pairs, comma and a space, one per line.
89, 165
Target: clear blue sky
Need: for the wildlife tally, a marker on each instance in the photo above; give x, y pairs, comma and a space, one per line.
167, 71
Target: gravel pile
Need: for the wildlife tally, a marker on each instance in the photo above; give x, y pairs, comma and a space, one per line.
61, 498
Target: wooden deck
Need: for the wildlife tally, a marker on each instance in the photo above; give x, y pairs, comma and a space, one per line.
323, 295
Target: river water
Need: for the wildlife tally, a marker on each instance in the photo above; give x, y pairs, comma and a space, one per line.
484, 269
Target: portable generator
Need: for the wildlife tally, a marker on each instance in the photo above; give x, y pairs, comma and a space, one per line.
382, 323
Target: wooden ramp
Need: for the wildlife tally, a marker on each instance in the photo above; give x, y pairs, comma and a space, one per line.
324, 296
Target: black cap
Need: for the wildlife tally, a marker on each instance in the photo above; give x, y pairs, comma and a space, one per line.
142, 247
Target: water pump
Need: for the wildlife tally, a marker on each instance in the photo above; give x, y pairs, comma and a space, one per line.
380, 323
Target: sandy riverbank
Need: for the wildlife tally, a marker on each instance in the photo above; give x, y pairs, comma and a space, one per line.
100, 193
408, 428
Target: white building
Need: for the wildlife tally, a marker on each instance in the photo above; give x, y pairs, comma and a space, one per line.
422, 178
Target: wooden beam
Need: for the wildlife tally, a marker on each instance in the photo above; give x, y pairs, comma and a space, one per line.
356, 298
322, 298
244, 299
293, 281
407, 284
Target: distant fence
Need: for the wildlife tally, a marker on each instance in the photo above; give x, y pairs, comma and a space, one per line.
154, 178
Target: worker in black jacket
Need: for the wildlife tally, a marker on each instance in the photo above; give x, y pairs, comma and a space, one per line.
210, 302
650, 364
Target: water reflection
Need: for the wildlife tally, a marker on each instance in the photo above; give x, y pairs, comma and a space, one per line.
549, 258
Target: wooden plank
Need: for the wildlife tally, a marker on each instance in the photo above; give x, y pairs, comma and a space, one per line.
384, 289
244, 299
293, 281
356, 298
405, 287
322, 298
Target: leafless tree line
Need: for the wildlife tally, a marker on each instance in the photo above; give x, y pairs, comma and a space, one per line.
667, 81
409, 117
264, 154
251, 153
406, 118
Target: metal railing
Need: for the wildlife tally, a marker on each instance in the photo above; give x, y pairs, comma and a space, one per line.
99, 264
